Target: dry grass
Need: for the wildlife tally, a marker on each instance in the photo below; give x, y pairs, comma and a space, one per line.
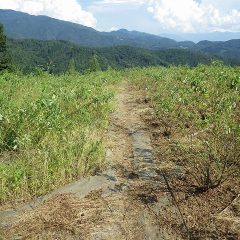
63, 217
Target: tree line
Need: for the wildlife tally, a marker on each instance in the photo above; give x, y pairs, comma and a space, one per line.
57, 57
5, 62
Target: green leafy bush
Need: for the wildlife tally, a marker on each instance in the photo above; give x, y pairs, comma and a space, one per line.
198, 109
51, 129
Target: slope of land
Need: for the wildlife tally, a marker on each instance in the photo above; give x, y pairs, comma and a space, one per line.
21, 25
229, 48
54, 56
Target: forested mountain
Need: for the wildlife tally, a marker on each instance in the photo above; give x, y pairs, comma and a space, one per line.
22, 25
143, 40
227, 49
4, 57
64, 41
55, 56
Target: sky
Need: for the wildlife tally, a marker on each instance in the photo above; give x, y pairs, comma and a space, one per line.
151, 16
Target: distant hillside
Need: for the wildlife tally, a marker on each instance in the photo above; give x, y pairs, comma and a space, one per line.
227, 49
197, 37
20, 25
56, 55
143, 40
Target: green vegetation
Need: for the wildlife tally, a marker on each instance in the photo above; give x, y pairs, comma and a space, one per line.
93, 65
20, 25
51, 126
51, 129
71, 67
55, 102
55, 56
229, 48
198, 110
4, 57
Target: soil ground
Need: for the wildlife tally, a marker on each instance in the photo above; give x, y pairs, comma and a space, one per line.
135, 198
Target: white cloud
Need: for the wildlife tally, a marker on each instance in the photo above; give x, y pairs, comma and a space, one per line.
174, 15
106, 5
191, 16
68, 10
113, 28
114, 2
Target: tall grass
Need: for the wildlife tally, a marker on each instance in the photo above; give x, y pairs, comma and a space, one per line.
198, 109
51, 129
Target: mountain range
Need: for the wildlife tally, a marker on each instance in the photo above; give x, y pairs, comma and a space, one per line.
197, 37
22, 25
149, 48
55, 56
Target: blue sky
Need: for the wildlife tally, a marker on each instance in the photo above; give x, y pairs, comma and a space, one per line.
131, 16
152, 16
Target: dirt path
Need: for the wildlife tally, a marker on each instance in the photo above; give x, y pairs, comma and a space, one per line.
124, 202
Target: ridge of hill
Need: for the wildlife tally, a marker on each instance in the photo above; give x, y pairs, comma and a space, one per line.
21, 25
55, 56
51, 43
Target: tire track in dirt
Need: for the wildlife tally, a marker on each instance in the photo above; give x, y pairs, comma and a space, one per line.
127, 201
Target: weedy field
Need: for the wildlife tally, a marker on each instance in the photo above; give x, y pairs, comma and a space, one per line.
196, 127
51, 130
200, 109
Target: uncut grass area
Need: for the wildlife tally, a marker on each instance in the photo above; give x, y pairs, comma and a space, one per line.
198, 109
51, 130
195, 126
